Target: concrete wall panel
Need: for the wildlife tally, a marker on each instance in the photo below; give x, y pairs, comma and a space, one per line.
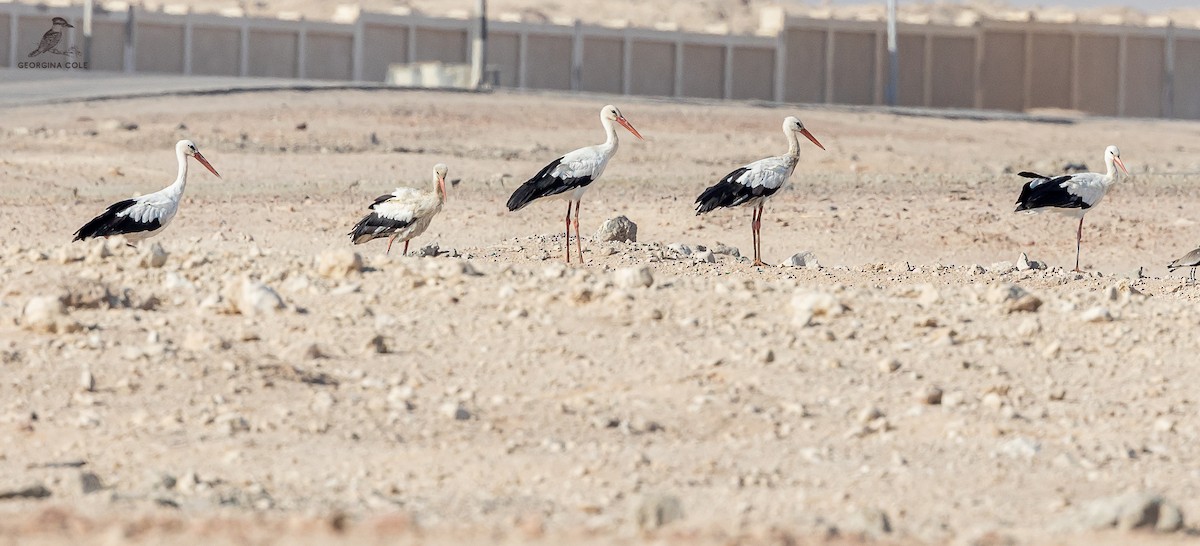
504, 51
108, 46
753, 73
549, 62
5, 38
805, 76
1003, 72
383, 46
159, 47
704, 71
653, 71
953, 72
216, 51
910, 89
853, 68
1050, 71
1098, 56
447, 46
1186, 99
272, 54
601, 71
330, 56
1144, 76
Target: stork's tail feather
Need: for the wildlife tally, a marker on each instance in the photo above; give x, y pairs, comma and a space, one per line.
106, 223
374, 226
721, 194
524, 195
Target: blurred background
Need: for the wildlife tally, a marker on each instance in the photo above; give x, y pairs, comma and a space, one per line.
1131, 59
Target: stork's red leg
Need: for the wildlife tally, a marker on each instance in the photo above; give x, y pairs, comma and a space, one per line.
1078, 244
567, 241
390, 241
406, 248
758, 236
578, 238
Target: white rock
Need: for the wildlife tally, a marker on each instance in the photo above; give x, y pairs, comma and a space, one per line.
705, 256
802, 259
633, 277
808, 305
44, 314
617, 229
1096, 314
152, 256
255, 298
339, 264
1020, 448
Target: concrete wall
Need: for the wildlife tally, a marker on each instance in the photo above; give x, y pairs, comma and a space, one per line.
216, 51
854, 68
753, 73
952, 72
330, 56
552, 57
703, 71
1099, 57
158, 47
1109, 70
653, 69
504, 54
1187, 76
804, 77
602, 65
1144, 76
382, 46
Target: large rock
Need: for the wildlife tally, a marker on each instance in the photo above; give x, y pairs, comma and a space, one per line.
655, 511
339, 264
802, 259
251, 298
617, 229
152, 256
633, 277
47, 314
808, 305
1139, 510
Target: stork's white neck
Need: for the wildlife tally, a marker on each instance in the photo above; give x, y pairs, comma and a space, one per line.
793, 143
1111, 175
610, 132
181, 180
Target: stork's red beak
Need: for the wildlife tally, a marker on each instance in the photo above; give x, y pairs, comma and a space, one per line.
204, 162
442, 185
1120, 164
811, 137
625, 123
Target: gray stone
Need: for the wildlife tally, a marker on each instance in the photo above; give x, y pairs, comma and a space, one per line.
1137, 510
655, 511
90, 483
152, 256
38, 491
617, 229
722, 248
705, 256
633, 277
802, 259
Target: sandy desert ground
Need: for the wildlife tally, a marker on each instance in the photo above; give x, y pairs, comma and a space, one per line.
259, 387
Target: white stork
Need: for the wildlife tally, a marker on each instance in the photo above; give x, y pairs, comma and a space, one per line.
1070, 194
402, 214
570, 175
756, 182
1191, 259
146, 216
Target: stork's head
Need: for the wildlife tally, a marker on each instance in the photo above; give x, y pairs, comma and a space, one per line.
60, 22
188, 148
792, 124
439, 176
611, 113
1112, 155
